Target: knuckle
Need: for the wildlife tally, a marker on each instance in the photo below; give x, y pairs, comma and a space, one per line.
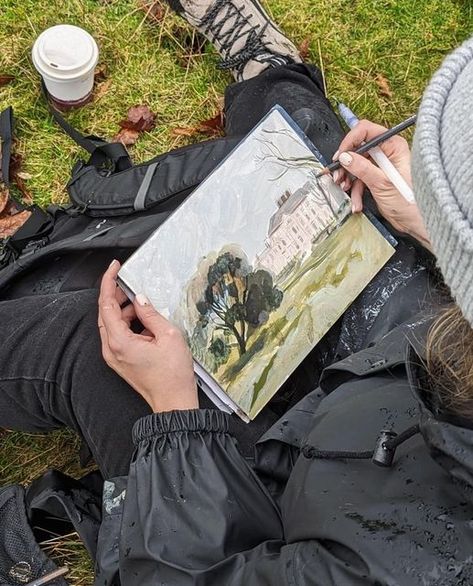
107, 303
116, 347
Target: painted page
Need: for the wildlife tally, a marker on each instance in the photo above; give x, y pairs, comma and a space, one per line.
259, 262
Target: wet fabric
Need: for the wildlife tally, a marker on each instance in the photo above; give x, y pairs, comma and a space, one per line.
195, 513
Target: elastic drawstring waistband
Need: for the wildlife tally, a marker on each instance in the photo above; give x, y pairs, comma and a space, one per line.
382, 455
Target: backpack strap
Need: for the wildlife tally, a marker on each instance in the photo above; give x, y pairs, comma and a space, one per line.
39, 224
103, 153
6, 137
164, 181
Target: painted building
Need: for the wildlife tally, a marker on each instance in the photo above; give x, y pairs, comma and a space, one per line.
299, 219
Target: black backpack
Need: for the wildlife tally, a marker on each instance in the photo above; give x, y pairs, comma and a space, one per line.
114, 206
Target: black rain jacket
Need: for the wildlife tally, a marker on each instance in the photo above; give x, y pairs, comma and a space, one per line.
194, 513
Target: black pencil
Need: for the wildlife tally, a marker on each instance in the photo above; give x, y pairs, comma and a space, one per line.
372, 143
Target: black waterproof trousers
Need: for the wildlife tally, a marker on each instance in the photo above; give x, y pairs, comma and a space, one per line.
52, 373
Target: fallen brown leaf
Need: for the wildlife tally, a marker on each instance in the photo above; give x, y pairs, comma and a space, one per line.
139, 118
212, 127
383, 86
5, 79
10, 224
127, 136
155, 10
304, 49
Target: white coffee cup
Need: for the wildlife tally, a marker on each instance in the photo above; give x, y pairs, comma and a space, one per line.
66, 56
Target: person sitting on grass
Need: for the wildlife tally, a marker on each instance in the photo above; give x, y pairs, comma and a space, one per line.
368, 479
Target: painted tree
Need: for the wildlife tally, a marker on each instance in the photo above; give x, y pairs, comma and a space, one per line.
236, 299
271, 153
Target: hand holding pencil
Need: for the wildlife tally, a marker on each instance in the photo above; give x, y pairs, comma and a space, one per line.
403, 215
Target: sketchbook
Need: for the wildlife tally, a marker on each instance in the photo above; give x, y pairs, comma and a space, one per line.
257, 264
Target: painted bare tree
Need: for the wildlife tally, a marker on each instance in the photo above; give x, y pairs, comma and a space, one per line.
286, 162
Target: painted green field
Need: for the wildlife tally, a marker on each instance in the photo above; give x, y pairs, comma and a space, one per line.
323, 287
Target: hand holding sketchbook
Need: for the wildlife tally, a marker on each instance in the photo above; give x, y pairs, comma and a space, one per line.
257, 264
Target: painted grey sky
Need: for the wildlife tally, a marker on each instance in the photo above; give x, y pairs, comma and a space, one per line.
232, 206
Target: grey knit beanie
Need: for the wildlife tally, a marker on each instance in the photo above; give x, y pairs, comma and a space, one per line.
442, 170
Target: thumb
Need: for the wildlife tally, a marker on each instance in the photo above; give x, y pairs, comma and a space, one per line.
363, 169
148, 316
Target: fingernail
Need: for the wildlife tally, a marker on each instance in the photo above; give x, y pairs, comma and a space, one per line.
345, 159
142, 300
343, 184
336, 175
335, 156
114, 261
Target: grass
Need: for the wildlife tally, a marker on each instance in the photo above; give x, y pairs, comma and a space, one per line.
353, 41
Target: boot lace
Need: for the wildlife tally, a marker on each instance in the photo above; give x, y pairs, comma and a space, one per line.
254, 47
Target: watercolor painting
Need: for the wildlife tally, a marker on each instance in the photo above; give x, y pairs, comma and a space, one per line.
259, 262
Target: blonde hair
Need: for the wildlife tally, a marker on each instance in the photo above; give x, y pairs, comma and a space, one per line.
450, 361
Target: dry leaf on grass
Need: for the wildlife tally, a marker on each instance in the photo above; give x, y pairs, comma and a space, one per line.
10, 217
9, 224
5, 79
304, 49
383, 86
126, 136
155, 10
139, 119
212, 127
